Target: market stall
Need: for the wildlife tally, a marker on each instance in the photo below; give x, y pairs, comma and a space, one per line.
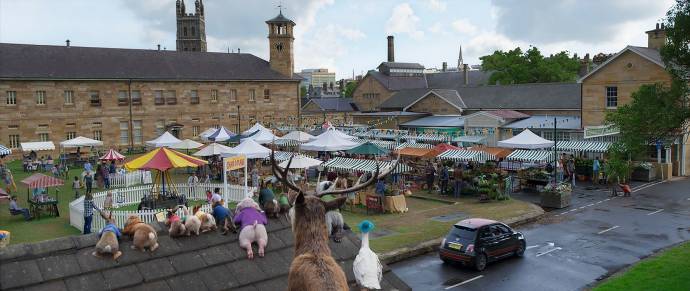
165, 140
37, 195
329, 141
368, 148
466, 156
221, 134
213, 149
249, 148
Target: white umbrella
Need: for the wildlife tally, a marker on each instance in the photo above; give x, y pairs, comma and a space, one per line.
187, 144
264, 136
301, 162
81, 141
249, 148
212, 150
329, 141
165, 140
526, 140
299, 136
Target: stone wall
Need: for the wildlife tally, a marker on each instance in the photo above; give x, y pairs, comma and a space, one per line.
365, 95
435, 105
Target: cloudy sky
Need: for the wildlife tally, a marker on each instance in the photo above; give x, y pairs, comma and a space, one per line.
345, 36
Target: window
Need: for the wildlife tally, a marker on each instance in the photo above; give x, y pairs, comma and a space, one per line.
40, 97
193, 31
195, 130
171, 97
233, 95
184, 31
252, 95
11, 97
14, 141
214, 96
95, 98
69, 97
98, 135
136, 97
43, 137
267, 95
137, 132
158, 97
124, 132
160, 127
611, 97
71, 134
122, 98
194, 97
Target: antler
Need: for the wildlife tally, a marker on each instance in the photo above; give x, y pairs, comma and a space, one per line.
283, 176
359, 186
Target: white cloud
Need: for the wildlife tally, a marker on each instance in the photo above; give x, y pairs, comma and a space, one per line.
437, 5
436, 28
464, 26
403, 20
351, 33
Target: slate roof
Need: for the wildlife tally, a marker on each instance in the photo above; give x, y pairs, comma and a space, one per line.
401, 65
546, 96
404, 98
446, 80
436, 121
208, 262
507, 114
335, 104
280, 19
398, 83
650, 54
546, 122
23, 61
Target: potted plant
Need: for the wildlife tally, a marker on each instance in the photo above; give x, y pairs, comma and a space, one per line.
484, 187
643, 172
556, 196
583, 169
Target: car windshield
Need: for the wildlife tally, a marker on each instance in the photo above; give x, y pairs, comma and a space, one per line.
462, 234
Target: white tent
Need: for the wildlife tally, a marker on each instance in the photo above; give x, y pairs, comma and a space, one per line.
341, 134
301, 162
526, 140
264, 136
329, 141
212, 150
187, 144
249, 148
37, 146
204, 135
81, 141
165, 140
221, 134
255, 127
299, 136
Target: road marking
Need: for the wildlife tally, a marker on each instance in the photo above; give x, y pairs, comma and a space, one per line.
609, 229
599, 202
463, 282
531, 247
590, 205
647, 186
607, 199
655, 212
551, 250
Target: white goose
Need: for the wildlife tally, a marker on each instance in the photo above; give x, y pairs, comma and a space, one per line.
367, 267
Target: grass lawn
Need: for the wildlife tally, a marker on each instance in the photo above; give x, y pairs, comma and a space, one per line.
416, 226
668, 271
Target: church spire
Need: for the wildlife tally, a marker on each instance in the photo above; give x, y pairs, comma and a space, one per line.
460, 62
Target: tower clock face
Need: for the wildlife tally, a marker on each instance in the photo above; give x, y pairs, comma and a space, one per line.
279, 46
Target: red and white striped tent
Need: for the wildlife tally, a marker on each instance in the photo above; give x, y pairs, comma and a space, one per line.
112, 155
39, 180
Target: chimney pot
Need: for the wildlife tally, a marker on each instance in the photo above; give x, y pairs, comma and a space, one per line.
159, 47
238, 50
657, 25
67, 42
445, 66
391, 49
465, 74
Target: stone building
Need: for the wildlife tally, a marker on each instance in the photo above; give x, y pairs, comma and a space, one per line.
127, 96
191, 27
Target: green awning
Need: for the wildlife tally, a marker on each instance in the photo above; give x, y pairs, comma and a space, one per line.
466, 156
361, 165
368, 148
537, 156
583, 146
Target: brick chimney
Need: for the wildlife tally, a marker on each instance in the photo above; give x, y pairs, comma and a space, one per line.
656, 38
465, 74
445, 67
391, 49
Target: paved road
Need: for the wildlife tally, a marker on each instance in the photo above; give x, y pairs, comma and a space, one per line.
573, 247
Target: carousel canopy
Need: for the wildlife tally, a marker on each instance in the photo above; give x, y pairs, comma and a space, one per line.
37, 146
255, 127
163, 159
39, 180
112, 155
300, 162
221, 134
4, 150
466, 156
531, 156
299, 136
165, 140
362, 165
329, 141
282, 155
187, 144
526, 140
81, 141
249, 148
212, 150
368, 148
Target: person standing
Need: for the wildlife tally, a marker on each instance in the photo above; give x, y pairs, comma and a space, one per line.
255, 177
430, 171
99, 176
15, 209
88, 182
76, 185
112, 169
88, 167
571, 169
457, 178
105, 173
595, 171
444, 179
89, 206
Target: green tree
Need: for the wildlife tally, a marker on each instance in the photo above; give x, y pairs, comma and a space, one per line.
516, 67
677, 49
350, 89
303, 91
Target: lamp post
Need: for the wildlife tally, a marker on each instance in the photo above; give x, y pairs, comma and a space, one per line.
555, 155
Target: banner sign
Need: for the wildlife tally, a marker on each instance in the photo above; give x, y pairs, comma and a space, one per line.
235, 163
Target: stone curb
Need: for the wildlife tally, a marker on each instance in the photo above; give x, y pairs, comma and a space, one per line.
433, 245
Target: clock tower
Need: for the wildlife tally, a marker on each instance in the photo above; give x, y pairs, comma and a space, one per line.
281, 40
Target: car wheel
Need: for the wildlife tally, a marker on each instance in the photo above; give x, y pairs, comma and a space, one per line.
480, 262
520, 252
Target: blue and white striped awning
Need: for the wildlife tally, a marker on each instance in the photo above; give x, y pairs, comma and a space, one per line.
414, 145
361, 165
466, 156
583, 146
531, 156
4, 150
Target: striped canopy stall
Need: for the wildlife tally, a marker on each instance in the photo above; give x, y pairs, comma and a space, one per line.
112, 155
287, 142
538, 156
4, 150
426, 137
39, 180
361, 165
386, 144
466, 156
583, 146
284, 156
414, 145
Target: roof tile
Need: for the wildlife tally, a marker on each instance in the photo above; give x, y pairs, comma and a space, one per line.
89, 262
279, 283
273, 264
122, 277
219, 254
87, 240
155, 269
20, 274
152, 286
218, 278
245, 272
187, 262
286, 236
50, 246
58, 285
86, 282
61, 266
190, 281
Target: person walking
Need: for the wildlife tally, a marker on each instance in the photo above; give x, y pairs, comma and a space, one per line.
457, 178
430, 171
444, 179
88, 182
595, 171
89, 206
76, 185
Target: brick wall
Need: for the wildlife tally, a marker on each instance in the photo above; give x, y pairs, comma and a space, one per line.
369, 94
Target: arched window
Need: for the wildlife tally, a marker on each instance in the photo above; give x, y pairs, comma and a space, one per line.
193, 31
184, 31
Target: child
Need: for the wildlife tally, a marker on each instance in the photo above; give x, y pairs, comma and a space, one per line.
108, 202
76, 185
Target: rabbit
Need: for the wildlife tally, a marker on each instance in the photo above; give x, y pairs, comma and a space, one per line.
192, 223
143, 235
177, 227
108, 244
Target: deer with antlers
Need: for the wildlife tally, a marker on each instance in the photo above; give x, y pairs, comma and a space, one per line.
313, 268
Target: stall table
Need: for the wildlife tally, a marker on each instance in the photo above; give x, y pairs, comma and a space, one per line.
395, 204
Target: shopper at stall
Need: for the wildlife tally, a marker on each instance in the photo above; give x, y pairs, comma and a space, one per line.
430, 172
595, 171
571, 169
444, 177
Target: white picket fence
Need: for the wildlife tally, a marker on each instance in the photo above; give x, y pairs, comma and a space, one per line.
130, 178
133, 195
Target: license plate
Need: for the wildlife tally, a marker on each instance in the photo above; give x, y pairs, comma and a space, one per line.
455, 246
